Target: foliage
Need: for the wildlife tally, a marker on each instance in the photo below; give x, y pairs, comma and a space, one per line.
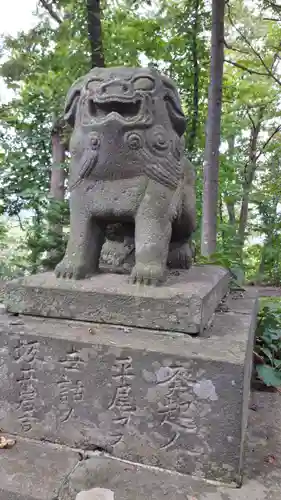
39, 65
13, 255
30, 248
249, 169
45, 245
268, 344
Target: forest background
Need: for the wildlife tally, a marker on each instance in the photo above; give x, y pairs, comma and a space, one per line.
68, 38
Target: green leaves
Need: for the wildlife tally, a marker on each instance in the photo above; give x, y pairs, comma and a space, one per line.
42, 63
268, 344
269, 375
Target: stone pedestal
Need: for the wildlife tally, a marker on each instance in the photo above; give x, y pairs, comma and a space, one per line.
160, 398
185, 303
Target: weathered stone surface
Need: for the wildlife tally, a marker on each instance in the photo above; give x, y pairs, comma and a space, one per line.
163, 399
104, 478
184, 304
123, 481
128, 166
34, 471
8, 495
262, 479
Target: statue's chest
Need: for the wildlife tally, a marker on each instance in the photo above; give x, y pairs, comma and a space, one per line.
129, 153
118, 155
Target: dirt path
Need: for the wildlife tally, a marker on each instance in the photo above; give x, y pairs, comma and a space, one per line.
268, 291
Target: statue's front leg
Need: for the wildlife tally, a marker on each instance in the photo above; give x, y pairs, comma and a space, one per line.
84, 246
153, 230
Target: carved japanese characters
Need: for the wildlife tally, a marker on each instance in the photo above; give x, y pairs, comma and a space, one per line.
128, 167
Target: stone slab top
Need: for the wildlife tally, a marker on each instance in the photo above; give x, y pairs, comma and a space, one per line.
185, 303
197, 281
224, 340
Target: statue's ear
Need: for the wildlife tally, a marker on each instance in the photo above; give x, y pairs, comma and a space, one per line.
173, 104
71, 101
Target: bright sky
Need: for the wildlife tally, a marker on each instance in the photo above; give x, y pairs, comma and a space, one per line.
15, 16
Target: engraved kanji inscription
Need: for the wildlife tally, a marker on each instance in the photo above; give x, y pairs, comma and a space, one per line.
122, 402
178, 409
24, 354
71, 388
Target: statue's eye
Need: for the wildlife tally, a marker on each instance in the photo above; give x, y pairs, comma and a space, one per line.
144, 83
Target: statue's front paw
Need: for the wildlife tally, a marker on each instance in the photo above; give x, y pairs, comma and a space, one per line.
148, 274
68, 270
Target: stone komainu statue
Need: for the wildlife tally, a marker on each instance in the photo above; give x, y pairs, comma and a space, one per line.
128, 167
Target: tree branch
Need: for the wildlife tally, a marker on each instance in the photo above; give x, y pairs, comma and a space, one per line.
273, 5
250, 118
276, 57
276, 130
20, 222
249, 70
256, 53
49, 7
235, 49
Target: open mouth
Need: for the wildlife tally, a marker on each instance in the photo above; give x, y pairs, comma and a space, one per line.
125, 109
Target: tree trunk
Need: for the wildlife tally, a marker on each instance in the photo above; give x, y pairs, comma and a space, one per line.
221, 221
196, 70
57, 174
213, 129
95, 33
249, 177
228, 198
269, 216
244, 212
231, 212
261, 270
57, 194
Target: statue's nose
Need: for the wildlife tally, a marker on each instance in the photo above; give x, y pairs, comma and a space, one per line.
115, 87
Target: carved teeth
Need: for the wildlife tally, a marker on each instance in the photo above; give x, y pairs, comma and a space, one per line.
126, 109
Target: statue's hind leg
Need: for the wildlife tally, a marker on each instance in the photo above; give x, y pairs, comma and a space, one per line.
181, 255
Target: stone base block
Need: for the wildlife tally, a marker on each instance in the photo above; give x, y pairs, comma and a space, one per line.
158, 398
185, 303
